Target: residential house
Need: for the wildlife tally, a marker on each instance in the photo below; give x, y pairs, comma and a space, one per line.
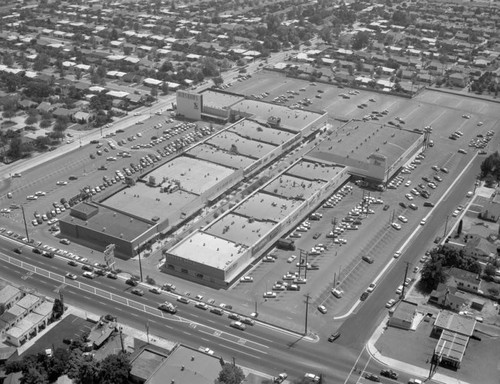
26, 104
458, 79
479, 248
448, 296
465, 280
490, 211
81, 117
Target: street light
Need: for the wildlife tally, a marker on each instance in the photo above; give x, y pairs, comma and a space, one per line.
25, 225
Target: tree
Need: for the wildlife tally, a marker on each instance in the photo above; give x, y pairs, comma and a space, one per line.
217, 80
164, 88
33, 375
154, 92
15, 148
115, 369
31, 119
231, 374
490, 270
57, 363
41, 62
61, 123
360, 40
491, 166
7, 59
58, 308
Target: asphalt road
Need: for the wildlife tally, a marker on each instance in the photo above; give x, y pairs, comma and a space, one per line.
259, 347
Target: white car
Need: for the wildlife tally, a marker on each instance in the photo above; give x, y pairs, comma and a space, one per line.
407, 184
206, 350
402, 219
312, 377
31, 197
390, 303
371, 288
399, 290
455, 213
423, 221
238, 325
246, 279
269, 295
396, 226
62, 183
466, 116
409, 197
397, 254
322, 309
291, 258
40, 193
71, 276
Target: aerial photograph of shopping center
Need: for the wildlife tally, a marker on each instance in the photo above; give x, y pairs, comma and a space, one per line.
252, 191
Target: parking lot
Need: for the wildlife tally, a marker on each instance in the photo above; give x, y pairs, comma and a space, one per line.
336, 262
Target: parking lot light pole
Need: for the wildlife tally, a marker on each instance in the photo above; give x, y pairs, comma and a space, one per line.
25, 225
307, 310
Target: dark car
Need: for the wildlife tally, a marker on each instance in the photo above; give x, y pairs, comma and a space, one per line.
368, 259
428, 204
72, 263
334, 336
364, 296
386, 207
132, 282
137, 291
402, 205
112, 275
18, 250
372, 377
389, 373
37, 250
88, 268
425, 178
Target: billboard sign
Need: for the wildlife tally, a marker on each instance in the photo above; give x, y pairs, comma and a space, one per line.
189, 105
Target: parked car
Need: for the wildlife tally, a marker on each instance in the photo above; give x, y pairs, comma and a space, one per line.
322, 309
389, 373
372, 377
334, 336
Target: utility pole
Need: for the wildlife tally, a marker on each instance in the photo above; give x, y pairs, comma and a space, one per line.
25, 225
140, 264
121, 340
307, 309
404, 281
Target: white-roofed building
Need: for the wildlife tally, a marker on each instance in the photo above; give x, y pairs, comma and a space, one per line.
30, 325
152, 82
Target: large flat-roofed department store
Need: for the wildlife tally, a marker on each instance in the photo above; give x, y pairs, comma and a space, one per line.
220, 251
